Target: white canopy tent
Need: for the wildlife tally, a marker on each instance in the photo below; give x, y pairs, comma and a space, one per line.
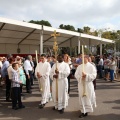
37, 37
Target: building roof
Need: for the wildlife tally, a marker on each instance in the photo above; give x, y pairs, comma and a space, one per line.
18, 32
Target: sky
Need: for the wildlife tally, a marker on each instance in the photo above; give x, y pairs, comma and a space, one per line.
97, 14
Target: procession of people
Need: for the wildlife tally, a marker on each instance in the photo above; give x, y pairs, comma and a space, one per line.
54, 76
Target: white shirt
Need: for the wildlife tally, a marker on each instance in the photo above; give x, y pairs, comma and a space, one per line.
10, 70
0, 64
101, 62
27, 66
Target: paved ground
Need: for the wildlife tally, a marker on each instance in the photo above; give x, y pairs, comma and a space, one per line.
108, 105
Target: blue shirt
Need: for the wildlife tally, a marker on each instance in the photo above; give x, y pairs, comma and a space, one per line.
4, 71
79, 61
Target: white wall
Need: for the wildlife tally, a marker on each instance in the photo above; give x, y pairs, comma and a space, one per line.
12, 49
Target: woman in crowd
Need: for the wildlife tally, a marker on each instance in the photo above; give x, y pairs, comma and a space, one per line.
112, 69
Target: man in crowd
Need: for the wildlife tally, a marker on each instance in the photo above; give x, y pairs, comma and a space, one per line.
4, 74
29, 73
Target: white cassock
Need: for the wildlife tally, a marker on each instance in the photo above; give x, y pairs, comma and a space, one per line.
64, 71
44, 82
87, 102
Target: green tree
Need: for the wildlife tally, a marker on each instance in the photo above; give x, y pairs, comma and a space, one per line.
80, 30
86, 30
42, 22
67, 27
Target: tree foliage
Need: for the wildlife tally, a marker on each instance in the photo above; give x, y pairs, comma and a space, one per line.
42, 22
113, 35
67, 27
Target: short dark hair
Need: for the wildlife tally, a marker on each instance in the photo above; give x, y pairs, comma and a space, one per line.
43, 55
11, 60
61, 55
13, 65
53, 56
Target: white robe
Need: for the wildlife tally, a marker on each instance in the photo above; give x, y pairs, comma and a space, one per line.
86, 103
44, 82
64, 71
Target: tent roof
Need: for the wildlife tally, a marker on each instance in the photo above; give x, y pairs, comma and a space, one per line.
17, 32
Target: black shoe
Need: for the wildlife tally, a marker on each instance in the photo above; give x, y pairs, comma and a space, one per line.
20, 107
8, 100
41, 106
22, 94
83, 115
86, 114
46, 103
15, 108
61, 111
29, 92
54, 108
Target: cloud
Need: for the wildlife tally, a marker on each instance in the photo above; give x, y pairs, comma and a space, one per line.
73, 12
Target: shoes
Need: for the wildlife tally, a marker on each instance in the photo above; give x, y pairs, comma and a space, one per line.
83, 115
15, 108
54, 108
20, 107
41, 106
22, 95
61, 111
29, 92
8, 100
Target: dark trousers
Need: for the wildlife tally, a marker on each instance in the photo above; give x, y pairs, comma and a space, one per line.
28, 81
31, 78
21, 88
94, 83
100, 68
16, 97
68, 84
8, 88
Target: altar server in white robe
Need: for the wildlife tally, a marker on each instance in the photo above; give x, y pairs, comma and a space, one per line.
87, 102
42, 72
61, 75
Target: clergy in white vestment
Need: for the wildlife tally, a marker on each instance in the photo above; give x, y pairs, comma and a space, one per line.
61, 74
86, 77
42, 73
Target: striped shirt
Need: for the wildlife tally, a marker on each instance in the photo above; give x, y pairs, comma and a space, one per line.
15, 79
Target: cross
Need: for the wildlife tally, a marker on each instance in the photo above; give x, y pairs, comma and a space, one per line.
55, 46
55, 34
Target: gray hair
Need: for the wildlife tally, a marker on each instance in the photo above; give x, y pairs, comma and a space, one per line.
29, 57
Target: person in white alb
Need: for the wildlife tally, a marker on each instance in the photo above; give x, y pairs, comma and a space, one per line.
42, 72
61, 74
87, 102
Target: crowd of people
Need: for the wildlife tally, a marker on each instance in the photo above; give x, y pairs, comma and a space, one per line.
53, 75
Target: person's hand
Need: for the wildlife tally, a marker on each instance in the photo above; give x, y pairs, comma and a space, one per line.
55, 76
83, 75
20, 82
38, 75
28, 76
56, 71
